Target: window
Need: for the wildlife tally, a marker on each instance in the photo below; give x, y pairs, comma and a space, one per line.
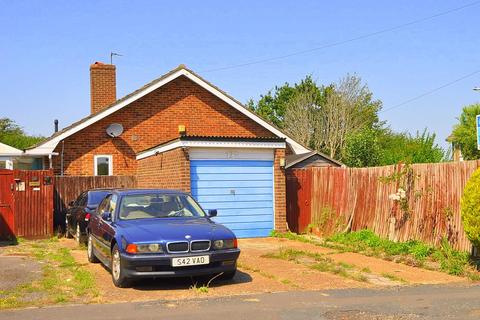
104, 205
154, 205
95, 197
103, 165
81, 200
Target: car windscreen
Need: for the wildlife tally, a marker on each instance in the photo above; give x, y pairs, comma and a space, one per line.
95, 197
152, 205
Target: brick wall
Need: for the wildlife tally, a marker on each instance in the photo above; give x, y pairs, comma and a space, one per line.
169, 170
153, 120
280, 192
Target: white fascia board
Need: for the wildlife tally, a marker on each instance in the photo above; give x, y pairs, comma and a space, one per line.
212, 144
49, 146
160, 149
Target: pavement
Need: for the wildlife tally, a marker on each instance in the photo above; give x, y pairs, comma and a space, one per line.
408, 302
17, 270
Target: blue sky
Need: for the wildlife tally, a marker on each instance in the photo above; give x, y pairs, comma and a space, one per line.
46, 48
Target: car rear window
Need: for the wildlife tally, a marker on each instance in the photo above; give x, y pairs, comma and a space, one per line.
95, 197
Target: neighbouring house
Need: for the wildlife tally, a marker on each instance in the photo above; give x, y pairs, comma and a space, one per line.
13, 158
456, 151
180, 131
311, 159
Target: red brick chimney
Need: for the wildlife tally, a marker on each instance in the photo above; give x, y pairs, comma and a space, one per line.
103, 90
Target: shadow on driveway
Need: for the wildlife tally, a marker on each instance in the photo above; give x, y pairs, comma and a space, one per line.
187, 283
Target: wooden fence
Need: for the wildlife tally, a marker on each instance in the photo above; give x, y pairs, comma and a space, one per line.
68, 188
330, 200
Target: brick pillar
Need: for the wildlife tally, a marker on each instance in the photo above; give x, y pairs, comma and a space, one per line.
280, 194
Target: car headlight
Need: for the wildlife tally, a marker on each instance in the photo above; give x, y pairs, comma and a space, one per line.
144, 248
225, 244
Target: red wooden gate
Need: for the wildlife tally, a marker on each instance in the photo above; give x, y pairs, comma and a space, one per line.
26, 203
299, 186
7, 203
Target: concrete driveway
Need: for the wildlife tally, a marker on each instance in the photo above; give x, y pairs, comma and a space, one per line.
264, 267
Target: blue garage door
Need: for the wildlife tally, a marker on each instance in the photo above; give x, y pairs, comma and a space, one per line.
241, 191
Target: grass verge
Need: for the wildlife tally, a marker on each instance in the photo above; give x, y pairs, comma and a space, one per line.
62, 280
413, 252
319, 262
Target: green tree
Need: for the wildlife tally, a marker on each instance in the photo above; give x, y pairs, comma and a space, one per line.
465, 132
362, 149
349, 107
403, 147
273, 105
13, 135
470, 208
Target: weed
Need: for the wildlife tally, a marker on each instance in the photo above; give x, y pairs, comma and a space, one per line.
366, 270
201, 289
393, 277
320, 263
345, 265
451, 261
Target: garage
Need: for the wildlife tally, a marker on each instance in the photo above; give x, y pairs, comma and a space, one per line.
239, 184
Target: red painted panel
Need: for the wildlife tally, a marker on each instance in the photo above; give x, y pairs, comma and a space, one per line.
299, 183
7, 222
34, 203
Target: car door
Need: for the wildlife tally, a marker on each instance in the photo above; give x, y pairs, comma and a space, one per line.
95, 228
77, 213
70, 214
105, 231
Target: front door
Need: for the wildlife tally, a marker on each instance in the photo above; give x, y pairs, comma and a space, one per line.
7, 185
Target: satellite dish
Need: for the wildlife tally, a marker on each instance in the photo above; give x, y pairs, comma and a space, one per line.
115, 130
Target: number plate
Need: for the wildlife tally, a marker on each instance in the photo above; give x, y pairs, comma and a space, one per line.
190, 261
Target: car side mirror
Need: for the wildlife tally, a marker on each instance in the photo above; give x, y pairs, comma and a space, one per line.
107, 216
212, 212
71, 203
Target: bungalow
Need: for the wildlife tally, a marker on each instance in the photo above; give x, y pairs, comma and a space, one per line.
180, 131
13, 158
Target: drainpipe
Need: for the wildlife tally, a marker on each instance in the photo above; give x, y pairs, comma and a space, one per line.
61, 158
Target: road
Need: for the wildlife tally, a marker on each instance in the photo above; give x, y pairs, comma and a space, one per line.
419, 302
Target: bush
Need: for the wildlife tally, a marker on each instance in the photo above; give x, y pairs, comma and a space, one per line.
471, 208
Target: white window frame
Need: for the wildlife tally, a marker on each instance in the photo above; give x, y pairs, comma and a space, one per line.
110, 163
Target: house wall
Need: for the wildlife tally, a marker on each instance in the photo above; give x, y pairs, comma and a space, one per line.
168, 170
150, 121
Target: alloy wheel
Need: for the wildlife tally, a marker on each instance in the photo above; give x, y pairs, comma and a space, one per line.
78, 233
89, 246
116, 265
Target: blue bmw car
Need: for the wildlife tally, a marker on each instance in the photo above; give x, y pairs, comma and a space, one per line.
159, 233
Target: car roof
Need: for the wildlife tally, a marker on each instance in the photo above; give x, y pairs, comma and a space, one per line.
122, 192
101, 190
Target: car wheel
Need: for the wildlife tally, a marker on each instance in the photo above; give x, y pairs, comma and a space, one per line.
91, 256
67, 232
78, 234
228, 275
118, 273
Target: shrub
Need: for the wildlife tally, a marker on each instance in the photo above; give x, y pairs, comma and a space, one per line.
471, 208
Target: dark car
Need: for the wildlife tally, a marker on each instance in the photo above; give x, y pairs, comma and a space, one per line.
159, 233
79, 212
